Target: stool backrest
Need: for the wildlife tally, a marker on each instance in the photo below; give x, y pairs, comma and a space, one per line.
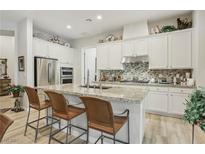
32, 96
5, 122
58, 102
98, 111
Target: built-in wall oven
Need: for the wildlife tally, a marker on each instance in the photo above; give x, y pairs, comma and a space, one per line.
66, 75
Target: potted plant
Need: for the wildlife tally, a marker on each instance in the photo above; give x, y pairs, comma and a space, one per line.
195, 110
16, 90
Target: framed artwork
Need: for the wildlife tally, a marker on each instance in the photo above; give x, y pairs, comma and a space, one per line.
21, 63
3, 66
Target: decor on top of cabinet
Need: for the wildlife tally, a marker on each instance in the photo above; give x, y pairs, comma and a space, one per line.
110, 38
184, 23
168, 28
195, 110
51, 38
155, 30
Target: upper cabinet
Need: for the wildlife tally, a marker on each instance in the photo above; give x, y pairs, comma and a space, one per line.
138, 47
171, 50
40, 48
115, 56
44, 48
109, 56
141, 47
158, 52
180, 45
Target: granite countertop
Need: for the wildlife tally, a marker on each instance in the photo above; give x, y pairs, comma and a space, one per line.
127, 94
145, 84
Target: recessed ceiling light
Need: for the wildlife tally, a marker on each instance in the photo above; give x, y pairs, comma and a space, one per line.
68, 26
99, 17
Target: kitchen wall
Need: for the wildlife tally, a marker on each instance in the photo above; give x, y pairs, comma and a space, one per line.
141, 71
93, 40
7, 50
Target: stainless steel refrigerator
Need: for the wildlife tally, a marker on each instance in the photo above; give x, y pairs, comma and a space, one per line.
44, 71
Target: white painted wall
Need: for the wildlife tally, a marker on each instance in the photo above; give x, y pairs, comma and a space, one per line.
134, 30
199, 23
7, 50
92, 41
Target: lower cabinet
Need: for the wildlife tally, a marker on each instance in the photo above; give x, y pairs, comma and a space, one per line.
168, 101
157, 101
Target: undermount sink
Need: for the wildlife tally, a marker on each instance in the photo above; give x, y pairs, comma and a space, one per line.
96, 87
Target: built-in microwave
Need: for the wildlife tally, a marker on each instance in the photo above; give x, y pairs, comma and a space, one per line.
66, 75
66, 71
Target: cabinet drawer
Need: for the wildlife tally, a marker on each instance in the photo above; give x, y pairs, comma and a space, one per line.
181, 90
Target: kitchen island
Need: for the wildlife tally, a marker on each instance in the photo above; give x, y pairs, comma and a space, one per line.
121, 98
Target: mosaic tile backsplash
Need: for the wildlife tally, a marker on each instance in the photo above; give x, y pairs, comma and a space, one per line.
141, 71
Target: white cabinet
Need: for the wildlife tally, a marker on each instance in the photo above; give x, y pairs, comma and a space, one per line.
177, 100
176, 103
109, 56
170, 101
180, 45
63, 54
128, 48
136, 47
158, 52
40, 48
141, 47
171, 50
54, 51
102, 57
115, 56
157, 101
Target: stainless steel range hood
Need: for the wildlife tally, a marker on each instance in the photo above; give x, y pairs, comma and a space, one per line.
132, 59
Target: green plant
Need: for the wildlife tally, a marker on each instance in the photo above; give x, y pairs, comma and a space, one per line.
195, 109
16, 89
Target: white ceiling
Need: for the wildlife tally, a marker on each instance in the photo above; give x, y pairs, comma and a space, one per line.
56, 21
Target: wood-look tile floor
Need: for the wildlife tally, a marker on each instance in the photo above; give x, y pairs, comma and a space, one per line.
158, 129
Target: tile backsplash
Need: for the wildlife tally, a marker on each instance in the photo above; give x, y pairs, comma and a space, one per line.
141, 71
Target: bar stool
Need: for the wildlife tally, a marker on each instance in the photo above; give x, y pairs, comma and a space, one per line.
35, 104
100, 117
5, 122
61, 109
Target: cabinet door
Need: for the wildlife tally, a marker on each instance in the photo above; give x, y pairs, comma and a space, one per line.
140, 47
102, 57
115, 56
128, 48
158, 52
157, 101
40, 48
55, 52
176, 103
180, 45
